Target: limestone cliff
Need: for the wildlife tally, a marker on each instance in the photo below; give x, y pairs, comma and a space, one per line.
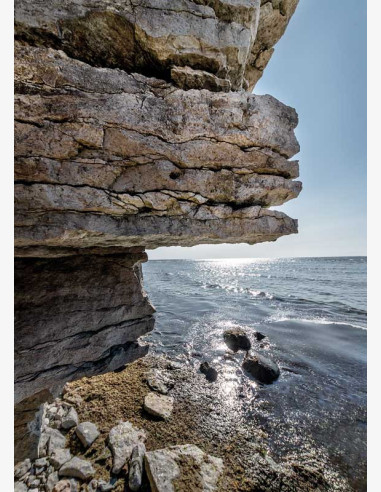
133, 130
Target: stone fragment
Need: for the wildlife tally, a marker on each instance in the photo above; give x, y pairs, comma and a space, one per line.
41, 462
62, 486
87, 433
56, 440
75, 485
22, 468
158, 405
211, 373
70, 419
92, 485
20, 487
186, 465
52, 480
261, 368
59, 457
50, 440
105, 486
77, 468
135, 471
122, 440
237, 339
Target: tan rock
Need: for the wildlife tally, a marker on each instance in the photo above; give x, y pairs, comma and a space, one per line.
184, 467
158, 405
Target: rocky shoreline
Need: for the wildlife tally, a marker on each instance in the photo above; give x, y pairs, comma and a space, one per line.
162, 425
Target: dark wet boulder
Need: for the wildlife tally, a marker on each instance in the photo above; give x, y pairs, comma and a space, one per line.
211, 373
261, 368
259, 336
236, 339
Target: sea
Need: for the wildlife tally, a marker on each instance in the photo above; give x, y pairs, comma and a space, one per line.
313, 312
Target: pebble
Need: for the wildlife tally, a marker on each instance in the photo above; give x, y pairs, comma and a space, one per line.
87, 433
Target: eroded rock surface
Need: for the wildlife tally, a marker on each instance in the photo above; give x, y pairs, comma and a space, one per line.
184, 467
75, 316
213, 44
133, 131
104, 158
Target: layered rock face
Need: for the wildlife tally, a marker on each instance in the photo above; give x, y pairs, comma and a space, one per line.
133, 131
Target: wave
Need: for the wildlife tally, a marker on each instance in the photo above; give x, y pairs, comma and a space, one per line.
240, 290
319, 321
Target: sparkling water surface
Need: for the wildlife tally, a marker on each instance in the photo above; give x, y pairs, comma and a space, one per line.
313, 312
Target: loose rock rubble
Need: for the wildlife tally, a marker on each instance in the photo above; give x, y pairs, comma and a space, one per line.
56, 470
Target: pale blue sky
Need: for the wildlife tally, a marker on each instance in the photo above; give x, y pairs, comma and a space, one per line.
319, 68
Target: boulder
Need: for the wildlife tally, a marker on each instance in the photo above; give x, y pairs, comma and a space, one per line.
237, 339
184, 467
122, 440
261, 368
211, 373
158, 405
77, 468
87, 433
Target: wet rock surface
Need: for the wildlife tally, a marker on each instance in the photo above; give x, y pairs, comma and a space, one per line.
237, 339
211, 373
261, 368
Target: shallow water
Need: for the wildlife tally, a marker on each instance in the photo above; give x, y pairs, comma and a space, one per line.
313, 311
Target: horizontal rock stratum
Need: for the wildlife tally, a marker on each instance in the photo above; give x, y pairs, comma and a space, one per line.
213, 44
105, 158
133, 130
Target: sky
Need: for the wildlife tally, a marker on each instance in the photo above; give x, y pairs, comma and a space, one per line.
319, 68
